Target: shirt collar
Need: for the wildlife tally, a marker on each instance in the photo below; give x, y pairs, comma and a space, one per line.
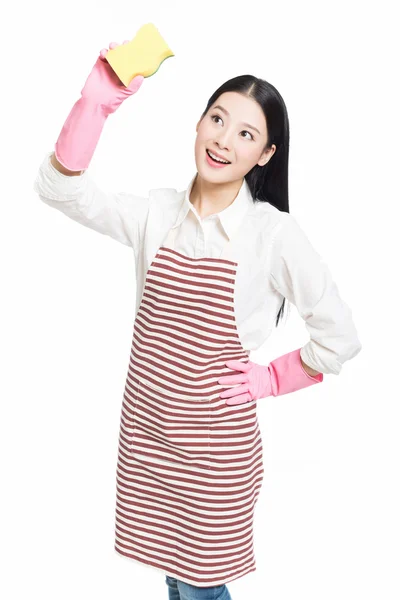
230, 218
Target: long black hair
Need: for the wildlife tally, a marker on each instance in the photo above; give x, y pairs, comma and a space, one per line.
268, 183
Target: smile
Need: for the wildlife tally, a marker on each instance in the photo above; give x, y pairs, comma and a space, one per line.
215, 161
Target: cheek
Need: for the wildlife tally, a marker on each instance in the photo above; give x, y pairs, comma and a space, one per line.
250, 156
243, 155
202, 135
200, 143
197, 148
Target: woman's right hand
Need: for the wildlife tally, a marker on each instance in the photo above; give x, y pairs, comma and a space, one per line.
104, 87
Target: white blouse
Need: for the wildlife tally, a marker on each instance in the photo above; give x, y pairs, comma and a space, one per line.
275, 258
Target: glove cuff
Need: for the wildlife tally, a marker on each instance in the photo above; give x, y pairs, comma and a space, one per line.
288, 375
80, 134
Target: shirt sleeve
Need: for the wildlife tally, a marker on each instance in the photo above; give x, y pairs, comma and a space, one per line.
119, 215
301, 276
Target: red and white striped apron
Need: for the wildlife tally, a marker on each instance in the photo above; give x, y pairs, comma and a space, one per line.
190, 467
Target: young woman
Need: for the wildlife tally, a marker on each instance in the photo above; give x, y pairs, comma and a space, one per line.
214, 266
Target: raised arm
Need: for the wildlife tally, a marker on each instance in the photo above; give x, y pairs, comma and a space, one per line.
101, 95
63, 181
120, 215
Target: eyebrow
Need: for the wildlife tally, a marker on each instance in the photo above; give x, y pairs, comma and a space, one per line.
226, 112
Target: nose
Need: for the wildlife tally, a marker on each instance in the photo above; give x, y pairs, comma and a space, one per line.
223, 139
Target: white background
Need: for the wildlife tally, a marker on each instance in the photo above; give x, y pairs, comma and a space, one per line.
327, 520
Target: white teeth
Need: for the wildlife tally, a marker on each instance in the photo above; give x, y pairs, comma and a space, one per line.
226, 162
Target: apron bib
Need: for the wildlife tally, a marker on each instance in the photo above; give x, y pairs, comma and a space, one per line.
190, 467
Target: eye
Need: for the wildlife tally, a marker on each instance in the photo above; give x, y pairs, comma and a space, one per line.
215, 116
218, 117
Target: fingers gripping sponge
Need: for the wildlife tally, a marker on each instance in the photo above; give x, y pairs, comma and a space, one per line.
143, 55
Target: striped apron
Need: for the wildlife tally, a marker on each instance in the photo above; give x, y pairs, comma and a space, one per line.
190, 467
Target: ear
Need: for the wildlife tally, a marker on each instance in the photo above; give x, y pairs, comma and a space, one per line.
266, 156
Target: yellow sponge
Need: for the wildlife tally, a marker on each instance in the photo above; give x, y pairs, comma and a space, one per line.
143, 55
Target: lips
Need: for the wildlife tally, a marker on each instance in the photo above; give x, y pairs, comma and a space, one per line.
218, 155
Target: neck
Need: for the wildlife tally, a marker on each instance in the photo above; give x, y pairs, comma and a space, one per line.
209, 198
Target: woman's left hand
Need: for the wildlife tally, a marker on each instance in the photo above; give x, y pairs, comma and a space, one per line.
255, 380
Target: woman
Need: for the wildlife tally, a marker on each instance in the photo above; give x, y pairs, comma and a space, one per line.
214, 265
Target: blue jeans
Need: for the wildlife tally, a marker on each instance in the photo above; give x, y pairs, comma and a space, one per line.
179, 590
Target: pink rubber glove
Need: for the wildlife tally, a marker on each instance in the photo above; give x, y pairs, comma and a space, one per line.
101, 95
282, 376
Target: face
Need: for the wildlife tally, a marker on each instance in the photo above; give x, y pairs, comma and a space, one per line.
222, 131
